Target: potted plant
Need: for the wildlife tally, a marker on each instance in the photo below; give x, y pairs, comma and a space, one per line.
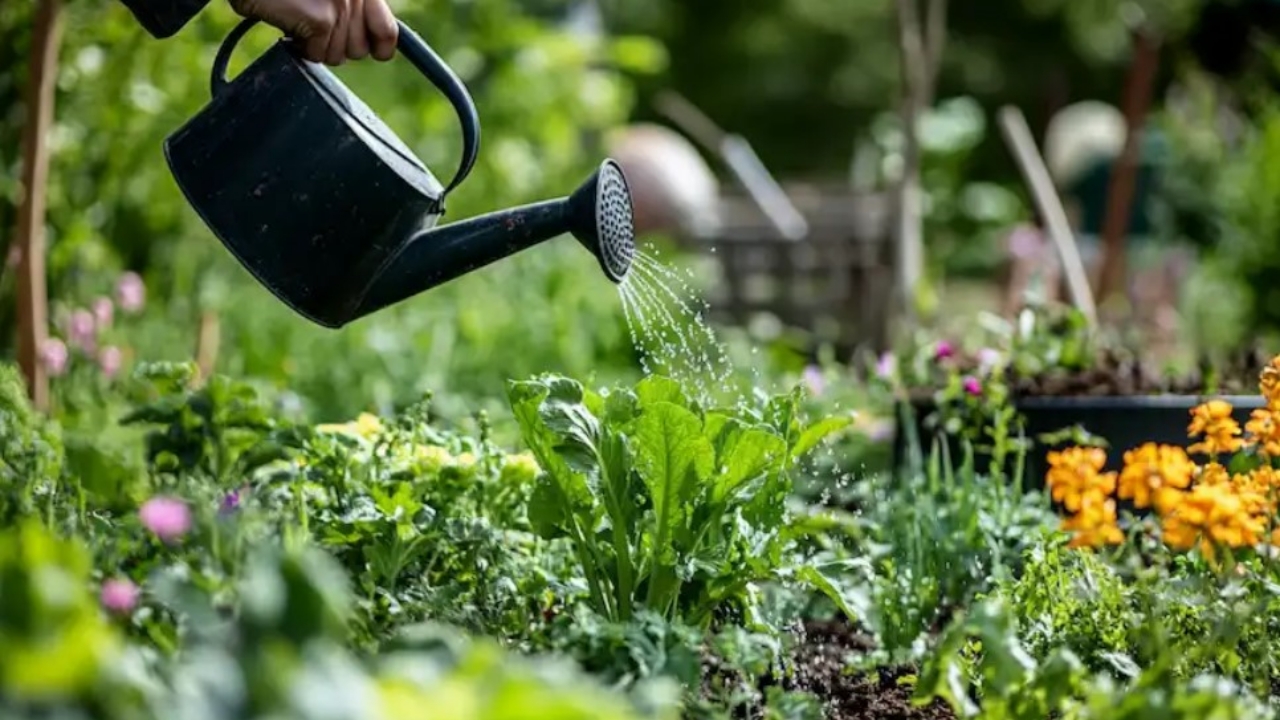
1044, 381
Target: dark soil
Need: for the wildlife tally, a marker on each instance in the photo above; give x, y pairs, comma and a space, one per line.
820, 669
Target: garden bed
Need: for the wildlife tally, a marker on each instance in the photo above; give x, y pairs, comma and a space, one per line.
1123, 422
1119, 401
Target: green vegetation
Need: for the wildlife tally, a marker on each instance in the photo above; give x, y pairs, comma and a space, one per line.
477, 505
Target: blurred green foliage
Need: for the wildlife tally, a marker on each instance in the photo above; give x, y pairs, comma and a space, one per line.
545, 97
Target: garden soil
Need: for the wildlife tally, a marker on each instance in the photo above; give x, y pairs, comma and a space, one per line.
820, 669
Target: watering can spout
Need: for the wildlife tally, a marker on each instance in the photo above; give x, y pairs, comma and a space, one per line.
598, 214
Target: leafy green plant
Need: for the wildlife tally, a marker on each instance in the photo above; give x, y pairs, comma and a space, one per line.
937, 540
669, 506
31, 454
982, 669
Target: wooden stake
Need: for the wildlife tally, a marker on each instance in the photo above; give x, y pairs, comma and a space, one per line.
1017, 134
1124, 171
33, 301
920, 47
742, 160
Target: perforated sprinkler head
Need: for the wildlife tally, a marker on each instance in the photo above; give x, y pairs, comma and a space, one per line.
602, 219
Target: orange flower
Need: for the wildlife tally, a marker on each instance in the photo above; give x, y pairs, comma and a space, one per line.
1213, 473
1095, 524
1269, 382
1254, 491
1221, 432
1155, 472
1208, 517
1264, 430
1075, 472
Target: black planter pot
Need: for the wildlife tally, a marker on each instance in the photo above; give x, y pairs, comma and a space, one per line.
1125, 422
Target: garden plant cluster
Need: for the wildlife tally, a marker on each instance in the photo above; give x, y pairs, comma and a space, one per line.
475, 506
633, 550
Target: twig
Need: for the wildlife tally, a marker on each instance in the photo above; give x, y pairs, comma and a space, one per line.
33, 301
1017, 134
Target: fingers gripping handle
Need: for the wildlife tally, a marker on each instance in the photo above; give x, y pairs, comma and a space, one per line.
422, 57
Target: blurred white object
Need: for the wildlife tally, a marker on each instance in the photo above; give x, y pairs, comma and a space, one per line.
1079, 136
672, 187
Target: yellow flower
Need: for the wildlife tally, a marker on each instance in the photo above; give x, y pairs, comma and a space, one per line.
1095, 524
1221, 432
1151, 471
1210, 516
1075, 472
1264, 430
520, 469
367, 426
429, 459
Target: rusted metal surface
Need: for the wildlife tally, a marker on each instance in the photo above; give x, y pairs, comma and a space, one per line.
835, 282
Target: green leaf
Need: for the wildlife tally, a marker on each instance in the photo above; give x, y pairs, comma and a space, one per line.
560, 493
746, 454
673, 457
656, 389
855, 603
816, 432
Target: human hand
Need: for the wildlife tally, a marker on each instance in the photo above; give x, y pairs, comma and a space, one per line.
330, 31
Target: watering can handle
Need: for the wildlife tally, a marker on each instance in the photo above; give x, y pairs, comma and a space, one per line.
422, 57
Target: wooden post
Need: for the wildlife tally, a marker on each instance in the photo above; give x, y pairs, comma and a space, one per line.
33, 301
1017, 135
920, 46
1124, 171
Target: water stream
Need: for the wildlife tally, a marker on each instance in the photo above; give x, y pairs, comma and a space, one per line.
669, 328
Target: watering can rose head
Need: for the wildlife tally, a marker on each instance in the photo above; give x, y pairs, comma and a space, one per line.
344, 233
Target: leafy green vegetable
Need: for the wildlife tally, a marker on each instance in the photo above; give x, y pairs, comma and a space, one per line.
670, 508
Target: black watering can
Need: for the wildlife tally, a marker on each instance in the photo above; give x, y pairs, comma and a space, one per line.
330, 211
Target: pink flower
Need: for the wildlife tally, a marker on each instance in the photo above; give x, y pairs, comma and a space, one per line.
943, 350
54, 356
1025, 241
885, 365
814, 380
971, 385
880, 431
103, 310
168, 518
988, 358
82, 332
109, 360
131, 293
119, 596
